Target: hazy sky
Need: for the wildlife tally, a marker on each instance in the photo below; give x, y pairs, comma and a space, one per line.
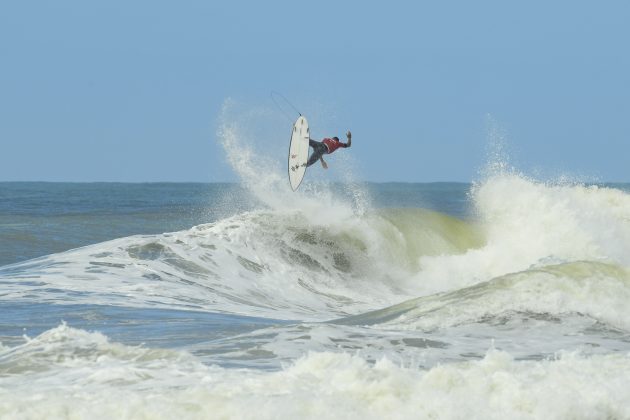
133, 90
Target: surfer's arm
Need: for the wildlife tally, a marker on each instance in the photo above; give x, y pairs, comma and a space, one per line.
349, 136
324, 164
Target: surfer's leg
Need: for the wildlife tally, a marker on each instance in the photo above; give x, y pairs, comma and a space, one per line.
314, 158
319, 149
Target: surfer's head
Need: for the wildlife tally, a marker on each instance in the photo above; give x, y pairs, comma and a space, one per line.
336, 138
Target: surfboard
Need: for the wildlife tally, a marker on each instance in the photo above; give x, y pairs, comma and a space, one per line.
298, 152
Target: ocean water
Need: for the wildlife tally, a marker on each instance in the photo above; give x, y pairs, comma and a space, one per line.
504, 298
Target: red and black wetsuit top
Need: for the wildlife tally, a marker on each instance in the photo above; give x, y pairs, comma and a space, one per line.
333, 144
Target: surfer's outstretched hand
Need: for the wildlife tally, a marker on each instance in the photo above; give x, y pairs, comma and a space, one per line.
349, 134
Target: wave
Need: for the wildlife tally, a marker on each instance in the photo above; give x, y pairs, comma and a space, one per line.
256, 263
88, 374
71, 347
528, 224
315, 264
597, 290
519, 223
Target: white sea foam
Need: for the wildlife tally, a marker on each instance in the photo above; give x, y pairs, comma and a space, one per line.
528, 224
599, 291
99, 379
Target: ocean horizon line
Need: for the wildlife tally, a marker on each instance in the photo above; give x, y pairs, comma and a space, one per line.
326, 182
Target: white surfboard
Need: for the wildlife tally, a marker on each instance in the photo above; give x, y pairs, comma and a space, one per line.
298, 152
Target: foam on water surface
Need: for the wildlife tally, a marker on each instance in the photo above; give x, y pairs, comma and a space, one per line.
73, 374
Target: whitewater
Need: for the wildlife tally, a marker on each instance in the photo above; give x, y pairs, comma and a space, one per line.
504, 298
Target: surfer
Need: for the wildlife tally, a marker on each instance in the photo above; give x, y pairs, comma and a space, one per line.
326, 147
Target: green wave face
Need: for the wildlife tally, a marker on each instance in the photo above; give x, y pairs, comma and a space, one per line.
415, 233
385, 246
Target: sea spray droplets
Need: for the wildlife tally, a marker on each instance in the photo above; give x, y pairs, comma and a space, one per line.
258, 157
498, 157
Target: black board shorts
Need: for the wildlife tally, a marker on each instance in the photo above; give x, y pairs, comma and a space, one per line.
319, 150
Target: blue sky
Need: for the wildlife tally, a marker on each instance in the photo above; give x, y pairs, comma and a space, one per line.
133, 91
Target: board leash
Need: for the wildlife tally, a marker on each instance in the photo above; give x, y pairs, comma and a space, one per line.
273, 95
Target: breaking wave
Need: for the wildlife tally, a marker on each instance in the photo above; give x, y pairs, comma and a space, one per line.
81, 374
531, 247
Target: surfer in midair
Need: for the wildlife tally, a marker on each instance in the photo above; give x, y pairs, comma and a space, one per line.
326, 147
